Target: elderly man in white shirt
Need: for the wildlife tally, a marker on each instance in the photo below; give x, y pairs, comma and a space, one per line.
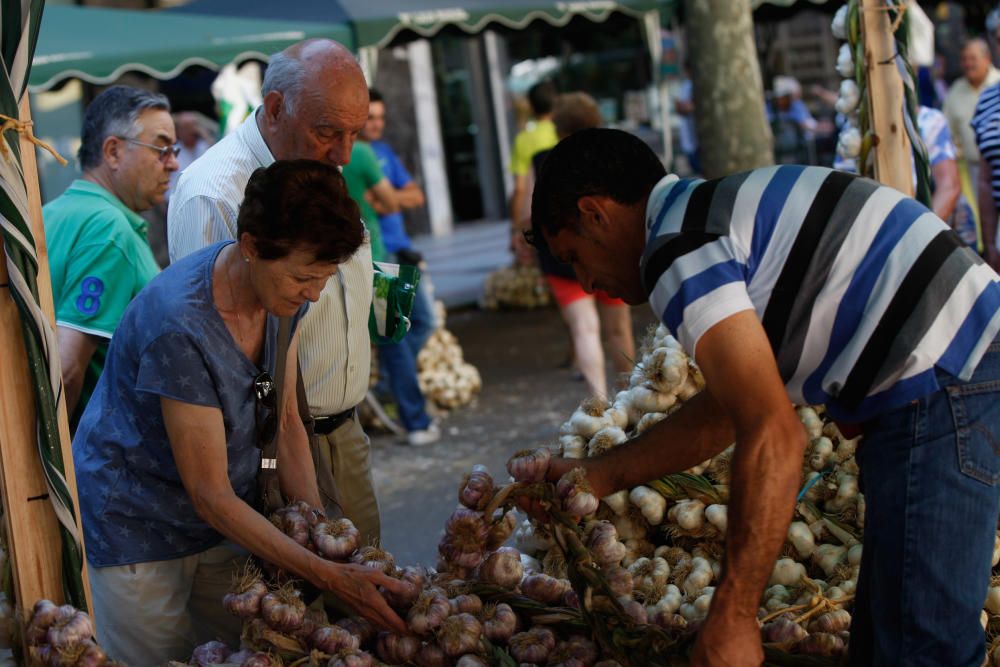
315, 104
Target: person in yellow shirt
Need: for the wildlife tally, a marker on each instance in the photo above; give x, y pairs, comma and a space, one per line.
538, 135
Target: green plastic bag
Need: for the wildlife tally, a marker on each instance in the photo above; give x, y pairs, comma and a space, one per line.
394, 288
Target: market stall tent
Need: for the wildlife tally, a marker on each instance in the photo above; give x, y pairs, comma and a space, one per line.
380, 23
99, 45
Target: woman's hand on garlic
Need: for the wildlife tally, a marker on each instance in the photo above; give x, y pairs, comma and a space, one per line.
357, 586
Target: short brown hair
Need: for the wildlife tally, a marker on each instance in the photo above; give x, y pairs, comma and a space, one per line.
300, 204
574, 112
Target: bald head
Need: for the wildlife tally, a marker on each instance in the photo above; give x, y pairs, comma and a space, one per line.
975, 61
315, 102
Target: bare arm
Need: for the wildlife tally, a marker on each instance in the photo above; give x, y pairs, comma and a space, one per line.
946, 188
988, 215
743, 377
296, 473
410, 196
745, 401
382, 197
197, 438
75, 351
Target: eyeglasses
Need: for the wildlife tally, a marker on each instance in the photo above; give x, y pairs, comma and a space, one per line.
266, 412
164, 151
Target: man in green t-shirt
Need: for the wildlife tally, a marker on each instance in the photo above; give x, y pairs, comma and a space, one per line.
366, 183
99, 255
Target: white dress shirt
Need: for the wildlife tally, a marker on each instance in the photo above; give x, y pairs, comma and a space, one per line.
334, 346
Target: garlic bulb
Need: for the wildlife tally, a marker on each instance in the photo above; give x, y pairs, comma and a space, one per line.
700, 576
576, 493
543, 588
787, 573
332, 639
428, 612
531, 539
244, 598
431, 655
606, 439
573, 446
820, 452
651, 504
397, 649
529, 465
849, 143
665, 369
646, 399
336, 539
471, 660
821, 643
801, 538
849, 97
476, 490
833, 622
688, 514
532, 646
211, 653
464, 538
575, 652
501, 530
375, 558
718, 516
459, 635
619, 580
845, 61
282, 609
781, 631
466, 603
603, 542
589, 418
358, 627
415, 578
810, 419
839, 24
499, 622
351, 658
648, 420
503, 568
617, 502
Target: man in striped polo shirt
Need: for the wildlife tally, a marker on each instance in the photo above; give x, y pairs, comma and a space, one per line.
805, 285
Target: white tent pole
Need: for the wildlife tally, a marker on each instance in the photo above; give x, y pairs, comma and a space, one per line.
425, 108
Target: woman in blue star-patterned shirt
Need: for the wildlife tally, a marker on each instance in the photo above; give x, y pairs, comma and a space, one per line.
167, 451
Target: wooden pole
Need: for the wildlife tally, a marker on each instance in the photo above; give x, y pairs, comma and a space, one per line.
33, 539
891, 146
30, 166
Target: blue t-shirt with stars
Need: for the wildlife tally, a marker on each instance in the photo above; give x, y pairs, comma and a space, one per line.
171, 342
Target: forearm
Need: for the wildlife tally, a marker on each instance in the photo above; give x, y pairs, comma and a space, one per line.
946, 189
696, 432
410, 196
766, 476
240, 523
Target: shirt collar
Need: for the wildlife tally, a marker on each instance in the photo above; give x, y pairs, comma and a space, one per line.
249, 132
80, 186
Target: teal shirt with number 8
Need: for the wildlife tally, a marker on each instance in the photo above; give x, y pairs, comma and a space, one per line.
99, 258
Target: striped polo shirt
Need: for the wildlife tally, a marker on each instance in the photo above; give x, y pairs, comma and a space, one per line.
861, 290
986, 125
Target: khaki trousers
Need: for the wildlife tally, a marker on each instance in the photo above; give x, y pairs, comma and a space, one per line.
344, 472
150, 613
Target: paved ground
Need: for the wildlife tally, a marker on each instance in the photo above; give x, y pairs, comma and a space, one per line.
525, 397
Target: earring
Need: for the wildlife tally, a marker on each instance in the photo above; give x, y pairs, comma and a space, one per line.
246, 259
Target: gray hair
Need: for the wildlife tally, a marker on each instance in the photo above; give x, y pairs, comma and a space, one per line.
285, 74
114, 113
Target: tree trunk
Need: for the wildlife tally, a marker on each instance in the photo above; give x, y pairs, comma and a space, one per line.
733, 132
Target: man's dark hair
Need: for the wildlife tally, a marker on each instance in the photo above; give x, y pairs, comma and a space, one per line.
375, 96
542, 96
304, 205
596, 161
114, 113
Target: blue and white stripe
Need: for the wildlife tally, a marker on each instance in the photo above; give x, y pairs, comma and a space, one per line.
861, 290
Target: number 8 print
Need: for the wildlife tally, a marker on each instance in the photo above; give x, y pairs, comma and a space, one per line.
89, 301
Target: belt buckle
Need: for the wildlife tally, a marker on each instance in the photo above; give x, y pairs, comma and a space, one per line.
268, 464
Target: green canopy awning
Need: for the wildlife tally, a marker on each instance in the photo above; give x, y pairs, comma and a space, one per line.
379, 23
99, 45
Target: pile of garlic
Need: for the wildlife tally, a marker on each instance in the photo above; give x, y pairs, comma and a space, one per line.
515, 287
444, 376
447, 623
669, 534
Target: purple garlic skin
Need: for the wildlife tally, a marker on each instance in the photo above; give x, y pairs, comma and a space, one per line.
212, 653
477, 489
397, 649
333, 638
502, 567
543, 588
529, 465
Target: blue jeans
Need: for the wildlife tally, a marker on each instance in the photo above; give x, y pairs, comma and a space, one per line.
930, 472
398, 364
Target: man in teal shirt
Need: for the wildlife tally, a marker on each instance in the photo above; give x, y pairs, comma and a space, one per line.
367, 184
99, 255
